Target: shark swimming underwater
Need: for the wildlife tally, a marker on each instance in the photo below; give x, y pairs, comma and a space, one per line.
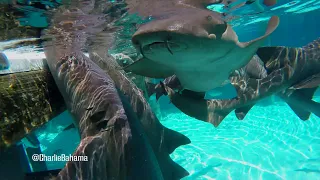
120, 134
255, 68
292, 74
193, 43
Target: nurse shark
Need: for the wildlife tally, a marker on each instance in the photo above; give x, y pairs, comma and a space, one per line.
292, 74
193, 43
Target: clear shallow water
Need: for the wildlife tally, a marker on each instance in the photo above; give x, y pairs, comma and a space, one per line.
270, 143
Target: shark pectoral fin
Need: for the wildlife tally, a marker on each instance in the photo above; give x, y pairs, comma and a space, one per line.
173, 140
300, 96
193, 107
312, 82
272, 26
192, 94
242, 112
148, 68
216, 118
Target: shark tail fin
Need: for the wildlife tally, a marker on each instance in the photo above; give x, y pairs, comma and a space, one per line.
173, 139
243, 111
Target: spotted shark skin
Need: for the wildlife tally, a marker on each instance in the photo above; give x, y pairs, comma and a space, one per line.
286, 67
119, 133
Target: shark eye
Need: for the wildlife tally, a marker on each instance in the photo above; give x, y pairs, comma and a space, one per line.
209, 18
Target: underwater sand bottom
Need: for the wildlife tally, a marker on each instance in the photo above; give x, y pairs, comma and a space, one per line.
271, 143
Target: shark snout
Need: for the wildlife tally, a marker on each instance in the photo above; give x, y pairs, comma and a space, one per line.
153, 43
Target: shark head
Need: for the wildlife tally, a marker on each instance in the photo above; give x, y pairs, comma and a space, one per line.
195, 44
175, 40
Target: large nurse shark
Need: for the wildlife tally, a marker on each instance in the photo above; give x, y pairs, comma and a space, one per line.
292, 74
119, 133
193, 43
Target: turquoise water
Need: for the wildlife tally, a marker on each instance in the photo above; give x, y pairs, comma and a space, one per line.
270, 143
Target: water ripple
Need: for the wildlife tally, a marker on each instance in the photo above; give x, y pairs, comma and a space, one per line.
270, 143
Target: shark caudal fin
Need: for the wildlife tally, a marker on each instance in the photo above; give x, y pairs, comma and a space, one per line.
148, 68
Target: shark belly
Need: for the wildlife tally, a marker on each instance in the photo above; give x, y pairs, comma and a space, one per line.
206, 76
201, 81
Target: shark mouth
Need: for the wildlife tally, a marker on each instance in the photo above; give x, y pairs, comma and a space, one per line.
171, 47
